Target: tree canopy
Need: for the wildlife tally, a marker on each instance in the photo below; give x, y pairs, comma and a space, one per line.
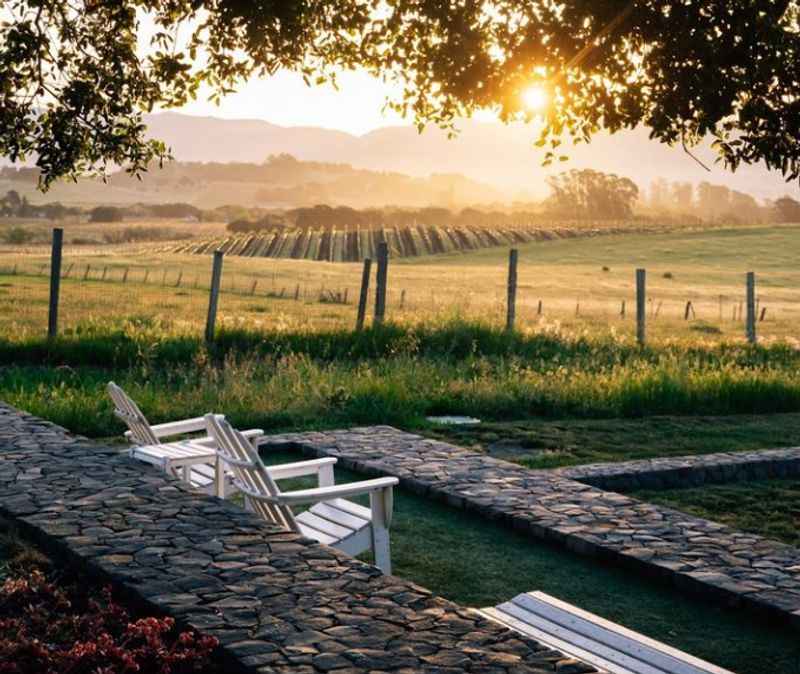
591, 194
76, 76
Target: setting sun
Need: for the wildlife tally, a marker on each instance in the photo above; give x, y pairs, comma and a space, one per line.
535, 98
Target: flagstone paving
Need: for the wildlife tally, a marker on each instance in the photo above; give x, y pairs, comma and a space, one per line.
687, 471
705, 557
277, 601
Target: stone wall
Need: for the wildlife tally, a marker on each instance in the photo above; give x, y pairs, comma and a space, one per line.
687, 471
699, 556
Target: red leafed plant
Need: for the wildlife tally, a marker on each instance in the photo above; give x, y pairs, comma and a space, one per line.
48, 629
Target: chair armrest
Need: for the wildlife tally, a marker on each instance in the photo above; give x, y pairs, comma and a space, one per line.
300, 468
339, 491
207, 441
179, 427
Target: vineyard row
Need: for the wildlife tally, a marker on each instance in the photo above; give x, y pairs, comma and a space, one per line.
411, 241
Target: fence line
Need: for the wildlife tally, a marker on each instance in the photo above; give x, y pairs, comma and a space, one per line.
749, 308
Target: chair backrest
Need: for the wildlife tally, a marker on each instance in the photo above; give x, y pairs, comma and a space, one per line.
249, 474
129, 412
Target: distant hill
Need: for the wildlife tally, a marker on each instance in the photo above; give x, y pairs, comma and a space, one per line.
490, 153
486, 163
279, 181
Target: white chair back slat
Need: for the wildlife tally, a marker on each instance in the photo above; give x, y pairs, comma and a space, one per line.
237, 457
250, 475
129, 412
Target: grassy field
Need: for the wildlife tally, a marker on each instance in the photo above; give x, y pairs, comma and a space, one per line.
769, 508
567, 275
544, 443
563, 389
395, 375
493, 564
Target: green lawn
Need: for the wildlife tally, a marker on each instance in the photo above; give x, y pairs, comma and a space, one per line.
476, 563
394, 375
769, 508
544, 443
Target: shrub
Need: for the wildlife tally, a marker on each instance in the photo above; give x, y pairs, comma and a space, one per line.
706, 328
46, 629
133, 234
174, 211
668, 274
106, 214
267, 222
17, 236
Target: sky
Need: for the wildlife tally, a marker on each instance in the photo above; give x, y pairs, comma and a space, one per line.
286, 100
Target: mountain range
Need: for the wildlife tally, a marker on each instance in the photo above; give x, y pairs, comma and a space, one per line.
500, 155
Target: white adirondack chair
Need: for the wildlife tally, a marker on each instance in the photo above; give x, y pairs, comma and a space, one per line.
193, 460
332, 519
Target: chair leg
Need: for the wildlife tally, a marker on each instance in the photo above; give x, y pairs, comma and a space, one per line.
219, 478
381, 549
380, 532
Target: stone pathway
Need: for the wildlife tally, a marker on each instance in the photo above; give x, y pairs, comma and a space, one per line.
687, 471
721, 563
277, 602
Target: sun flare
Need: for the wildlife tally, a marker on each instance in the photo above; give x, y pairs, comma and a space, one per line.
535, 98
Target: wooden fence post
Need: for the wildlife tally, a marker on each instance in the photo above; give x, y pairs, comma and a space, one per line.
751, 307
55, 281
69, 269
146, 275
511, 304
641, 304
402, 299
362, 298
105, 271
216, 278
86, 273
380, 283
622, 310
539, 309
180, 279
125, 275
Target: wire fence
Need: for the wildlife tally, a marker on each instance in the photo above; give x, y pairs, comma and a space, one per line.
97, 288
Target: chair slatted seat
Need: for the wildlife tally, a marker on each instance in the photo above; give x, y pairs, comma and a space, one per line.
332, 519
193, 460
592, 639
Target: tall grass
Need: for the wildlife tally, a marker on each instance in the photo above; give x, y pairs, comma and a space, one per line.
394, 375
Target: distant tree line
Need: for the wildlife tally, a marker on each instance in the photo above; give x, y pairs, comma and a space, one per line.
718, 203
12, 205
323, 216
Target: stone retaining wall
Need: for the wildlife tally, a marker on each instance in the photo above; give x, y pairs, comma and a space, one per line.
277, 602
700, 556
687, 471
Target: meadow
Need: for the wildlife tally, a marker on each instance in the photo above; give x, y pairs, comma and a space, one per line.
286, 356
567, 386
580, 284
